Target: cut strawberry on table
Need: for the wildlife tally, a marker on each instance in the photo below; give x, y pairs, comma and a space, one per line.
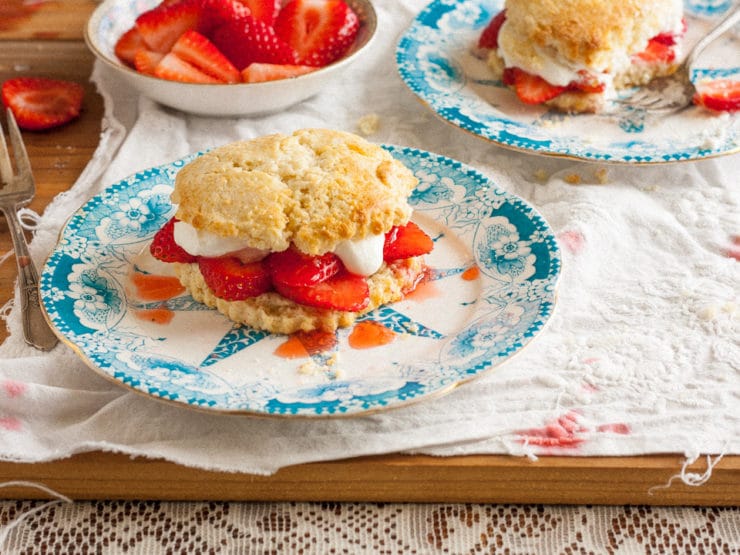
296, 269
489, 37
531, 89
197, 50
174, 68
264, 10
128, 45
406, 241
160, 27
320, 31
164, 248
721, 95
343, 291
258, 73
231, 280
39, 103
248, 40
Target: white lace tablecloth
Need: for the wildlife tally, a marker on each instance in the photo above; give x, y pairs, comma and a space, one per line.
641, 355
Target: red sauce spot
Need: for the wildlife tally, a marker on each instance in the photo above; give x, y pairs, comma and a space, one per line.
303, 344
369, 334
13, 388
617, 428
156, 288
734, 250
562, 432
425, 288
572, 240
11, 424
471, 273
155, 315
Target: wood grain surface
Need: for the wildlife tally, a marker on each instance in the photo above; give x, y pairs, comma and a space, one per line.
45, 39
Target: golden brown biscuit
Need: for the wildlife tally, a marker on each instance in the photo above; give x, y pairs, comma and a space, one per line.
314, 188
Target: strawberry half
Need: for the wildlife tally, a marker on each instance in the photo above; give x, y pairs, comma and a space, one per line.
489, 37
248, 40
343, 291
258, 73
722, 95
296, 269
174, 68
231, 280
406, 241
164, 248
39, 103
531, 89
217, 12
128, 45
160, 27
196, 49
264, 10
146, 61
320, 31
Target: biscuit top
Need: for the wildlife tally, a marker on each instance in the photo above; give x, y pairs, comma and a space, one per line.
594, 34
314, 188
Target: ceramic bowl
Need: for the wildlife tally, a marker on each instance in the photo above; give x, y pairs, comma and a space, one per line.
113, 17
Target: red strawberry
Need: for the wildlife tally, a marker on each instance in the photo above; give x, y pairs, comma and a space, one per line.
174, 68
39, 103
670, 39
320, 31
656, 52
231, 280
217, 12
264, 10
164, 248
257, 73
296, 269
162, 26
531, 89
248, 40
587, 83
489, 36
406, 241
128, 45
721, 95
343, 291
196, 49
146, 61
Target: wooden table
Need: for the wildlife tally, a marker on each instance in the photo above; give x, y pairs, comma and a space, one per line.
46, 40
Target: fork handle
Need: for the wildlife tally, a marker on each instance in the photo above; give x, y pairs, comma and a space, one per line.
36, 330
723, 26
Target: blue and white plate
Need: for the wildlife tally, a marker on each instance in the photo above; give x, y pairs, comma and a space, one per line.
493, 273
436, 60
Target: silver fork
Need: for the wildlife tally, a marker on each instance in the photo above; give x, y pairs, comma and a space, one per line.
676, 91
18, 189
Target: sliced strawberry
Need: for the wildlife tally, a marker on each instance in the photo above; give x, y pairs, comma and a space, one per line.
722, 95
160, 27
231, 280
164, 248
489, 37
174, 68
248, 40
343, 291
587, 83
264, 10
671, 39
406, 241
146, 61
656, 52
531, 89
257, 73
320, 31
128, 45
217, 12
39, 103
296, 269
196, 49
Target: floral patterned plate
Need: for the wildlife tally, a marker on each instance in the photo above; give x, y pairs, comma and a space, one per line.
491, 288
436, 60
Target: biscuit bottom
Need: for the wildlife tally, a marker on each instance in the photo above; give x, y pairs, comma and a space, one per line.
274, 313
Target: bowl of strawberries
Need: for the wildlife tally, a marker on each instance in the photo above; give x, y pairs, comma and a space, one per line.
230, 57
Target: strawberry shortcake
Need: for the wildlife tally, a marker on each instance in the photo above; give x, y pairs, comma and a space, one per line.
573, 55
295, 232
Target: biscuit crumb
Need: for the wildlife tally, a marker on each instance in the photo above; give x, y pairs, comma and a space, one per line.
368, 124
573, 179
602, 176
309, 368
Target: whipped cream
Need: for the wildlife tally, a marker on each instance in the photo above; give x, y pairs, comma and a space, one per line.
363, 257
204, 243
